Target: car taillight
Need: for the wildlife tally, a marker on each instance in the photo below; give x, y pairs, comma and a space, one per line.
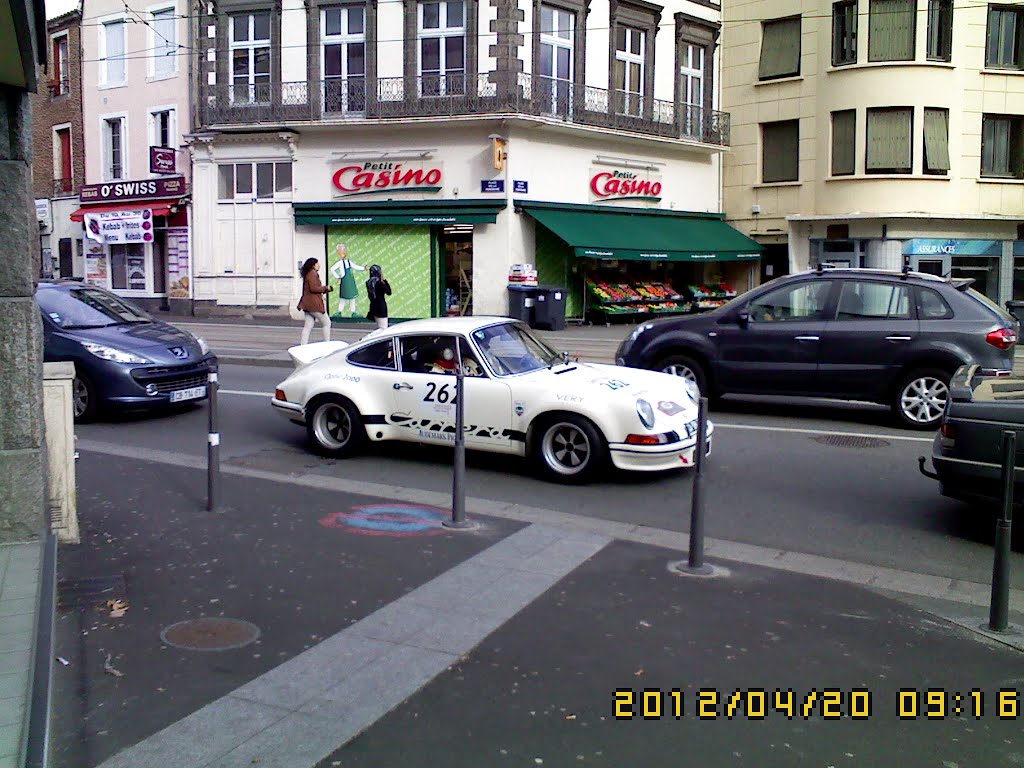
1004, 338
948, 435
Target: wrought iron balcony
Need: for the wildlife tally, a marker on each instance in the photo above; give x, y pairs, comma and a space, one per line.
449, 95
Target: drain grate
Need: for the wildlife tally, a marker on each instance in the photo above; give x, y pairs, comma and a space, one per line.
210, 633
89, 590
851, 441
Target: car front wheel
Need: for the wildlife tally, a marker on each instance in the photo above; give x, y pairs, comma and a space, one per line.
83, 398
921, 398
570, 449
686, 368
334, 427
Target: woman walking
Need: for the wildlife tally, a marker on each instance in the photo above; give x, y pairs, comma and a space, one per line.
312, 301
376, 289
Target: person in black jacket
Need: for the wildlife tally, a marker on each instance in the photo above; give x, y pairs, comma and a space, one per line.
376, 289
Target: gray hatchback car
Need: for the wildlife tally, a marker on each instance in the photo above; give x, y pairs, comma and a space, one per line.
854, 334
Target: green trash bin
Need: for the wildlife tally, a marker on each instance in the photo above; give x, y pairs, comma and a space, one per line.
549, 310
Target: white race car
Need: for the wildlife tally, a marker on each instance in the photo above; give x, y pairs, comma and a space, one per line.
520, 397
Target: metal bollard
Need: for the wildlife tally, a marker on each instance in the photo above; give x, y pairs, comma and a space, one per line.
1000, 603
696, 554
212, 446
459, 475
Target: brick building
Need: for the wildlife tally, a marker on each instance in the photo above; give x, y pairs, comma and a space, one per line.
58, 166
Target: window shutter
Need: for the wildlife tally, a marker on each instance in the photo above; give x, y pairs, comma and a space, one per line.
936, 139
891, 30
780, 151
888, 140
844, 127
780, 48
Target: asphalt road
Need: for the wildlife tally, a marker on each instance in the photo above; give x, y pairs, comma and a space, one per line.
776, 479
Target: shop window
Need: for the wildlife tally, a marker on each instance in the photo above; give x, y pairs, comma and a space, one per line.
114, 141
931, 305
263, 181
803, 301
441, 36
891, 30
780, 48
113, 53
343, 41
1002, 146
936, 141
889, 132
844, 33
250, 58
940, 30
379, 355
128, 267
844, 148
1004, 46
780, 150
984, 270
873, 301
163, 42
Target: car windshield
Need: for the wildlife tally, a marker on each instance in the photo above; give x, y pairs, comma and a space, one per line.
87, 308
510, 349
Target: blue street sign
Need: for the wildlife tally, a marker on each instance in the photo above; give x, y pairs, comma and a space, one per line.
492, 185
520, 187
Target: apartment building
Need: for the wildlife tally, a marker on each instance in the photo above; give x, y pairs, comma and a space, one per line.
134, 211
449, 141
58, 161
879, 133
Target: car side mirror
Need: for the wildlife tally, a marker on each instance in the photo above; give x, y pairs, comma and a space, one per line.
743, 318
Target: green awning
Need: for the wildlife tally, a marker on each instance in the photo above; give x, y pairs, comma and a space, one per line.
597, 232
418, 212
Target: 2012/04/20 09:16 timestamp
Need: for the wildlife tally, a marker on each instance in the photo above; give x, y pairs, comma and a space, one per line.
828, 703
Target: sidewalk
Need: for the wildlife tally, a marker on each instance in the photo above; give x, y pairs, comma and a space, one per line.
387, 640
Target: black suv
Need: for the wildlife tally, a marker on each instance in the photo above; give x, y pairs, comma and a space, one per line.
853, 334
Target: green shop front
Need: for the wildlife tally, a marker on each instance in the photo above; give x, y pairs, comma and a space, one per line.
424, 247
627, 263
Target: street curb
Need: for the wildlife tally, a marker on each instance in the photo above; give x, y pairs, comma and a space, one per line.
263, 362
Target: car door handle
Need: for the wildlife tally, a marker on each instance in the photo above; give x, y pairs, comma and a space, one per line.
897, 338
806, 338
403, 385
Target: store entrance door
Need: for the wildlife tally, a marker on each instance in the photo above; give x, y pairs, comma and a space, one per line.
932, 265
456, 243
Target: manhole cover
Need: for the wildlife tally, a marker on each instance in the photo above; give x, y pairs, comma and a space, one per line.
851, 441
210, 634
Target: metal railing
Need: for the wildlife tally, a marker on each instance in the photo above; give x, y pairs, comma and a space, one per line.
453, 94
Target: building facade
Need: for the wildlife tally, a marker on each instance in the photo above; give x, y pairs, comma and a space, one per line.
449, 142
58, 164
879, 133
134, 214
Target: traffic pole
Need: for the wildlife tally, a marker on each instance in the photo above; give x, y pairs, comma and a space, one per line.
1000, 604
459, 475
696, 554
212, 446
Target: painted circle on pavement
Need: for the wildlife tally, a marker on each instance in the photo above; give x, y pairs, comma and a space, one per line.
389, 520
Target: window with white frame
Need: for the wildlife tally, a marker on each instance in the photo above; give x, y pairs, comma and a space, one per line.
250, 58
441, 41
557, 44
113, 52
61, 74
692, 78
343, 41
114, 142
163, 128
630, 46
164, 42
245, 182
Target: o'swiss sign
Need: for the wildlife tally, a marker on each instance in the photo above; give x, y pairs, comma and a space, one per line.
620, 185
387, 177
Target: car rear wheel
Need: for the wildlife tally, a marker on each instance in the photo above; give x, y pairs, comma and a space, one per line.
686, 368
921, 398
83, 398
334, 427
570, 449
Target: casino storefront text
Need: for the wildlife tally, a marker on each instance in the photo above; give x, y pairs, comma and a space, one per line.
824, 703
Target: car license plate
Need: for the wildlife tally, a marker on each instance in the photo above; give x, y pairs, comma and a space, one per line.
188, 394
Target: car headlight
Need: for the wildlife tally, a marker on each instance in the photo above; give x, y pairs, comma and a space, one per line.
645, 412
114, 355
204, 348
692, 391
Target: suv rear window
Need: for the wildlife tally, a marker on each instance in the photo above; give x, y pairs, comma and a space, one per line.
931, 305
987, 302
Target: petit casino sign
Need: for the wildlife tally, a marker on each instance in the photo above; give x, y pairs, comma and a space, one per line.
387, 177
618, 185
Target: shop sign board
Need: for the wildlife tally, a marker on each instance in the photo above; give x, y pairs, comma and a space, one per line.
625, 184
404, 176
147, 189
161, 160
924, 246
43, 210
110, 227
492, 185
